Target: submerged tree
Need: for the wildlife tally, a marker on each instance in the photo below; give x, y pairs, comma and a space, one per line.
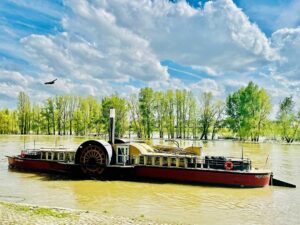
160, 110
120, 105
288, 120
24, 112
207, 113
248, 110
146, 107
219, 108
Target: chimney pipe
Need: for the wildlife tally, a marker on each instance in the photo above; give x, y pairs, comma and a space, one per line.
112, 126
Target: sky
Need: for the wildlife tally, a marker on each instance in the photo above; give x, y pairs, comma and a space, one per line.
102, 47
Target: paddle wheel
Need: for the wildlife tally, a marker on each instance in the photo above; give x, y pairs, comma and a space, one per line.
93, 157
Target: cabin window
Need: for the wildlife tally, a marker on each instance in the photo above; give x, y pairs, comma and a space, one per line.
165, 161
122, 154
191, 162
141, 160
68, 157
149, 160
156, 161
181, 162
173, 161
61, 156
55, 156
120, 150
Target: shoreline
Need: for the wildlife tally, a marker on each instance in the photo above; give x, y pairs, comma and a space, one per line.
263, 141
20, 213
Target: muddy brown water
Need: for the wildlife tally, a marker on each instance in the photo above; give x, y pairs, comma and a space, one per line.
174, 203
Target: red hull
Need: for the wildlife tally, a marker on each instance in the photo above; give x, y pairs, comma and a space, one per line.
41, 165
204, 176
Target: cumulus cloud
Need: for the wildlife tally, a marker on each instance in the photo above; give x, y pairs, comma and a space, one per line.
287, 41
106, 46
93, 45
208, 85
210, 37
123, 40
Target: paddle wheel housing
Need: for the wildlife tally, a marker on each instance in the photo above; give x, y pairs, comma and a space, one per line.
94, 156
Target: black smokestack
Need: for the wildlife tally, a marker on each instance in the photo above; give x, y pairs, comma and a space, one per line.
112, 126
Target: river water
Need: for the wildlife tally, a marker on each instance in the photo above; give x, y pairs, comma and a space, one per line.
174, 203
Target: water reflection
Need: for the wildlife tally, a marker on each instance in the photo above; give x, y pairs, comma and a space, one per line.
164, 201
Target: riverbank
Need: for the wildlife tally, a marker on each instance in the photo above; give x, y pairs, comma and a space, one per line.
16, 213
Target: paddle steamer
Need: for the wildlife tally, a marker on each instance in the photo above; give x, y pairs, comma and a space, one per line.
117, 158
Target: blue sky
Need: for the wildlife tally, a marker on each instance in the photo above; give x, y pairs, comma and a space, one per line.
103, 47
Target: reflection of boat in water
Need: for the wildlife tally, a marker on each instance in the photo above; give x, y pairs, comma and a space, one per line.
136, 160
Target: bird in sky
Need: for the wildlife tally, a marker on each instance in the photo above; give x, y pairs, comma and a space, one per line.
51, 82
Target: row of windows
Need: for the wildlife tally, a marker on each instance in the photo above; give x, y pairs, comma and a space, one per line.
163, 161
59, 156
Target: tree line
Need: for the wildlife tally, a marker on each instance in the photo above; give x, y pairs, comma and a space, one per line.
244, 115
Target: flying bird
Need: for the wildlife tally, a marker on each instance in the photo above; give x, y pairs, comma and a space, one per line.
51, 82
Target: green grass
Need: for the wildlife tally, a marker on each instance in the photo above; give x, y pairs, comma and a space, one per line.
36, 210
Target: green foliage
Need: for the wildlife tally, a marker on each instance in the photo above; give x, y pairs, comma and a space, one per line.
248, 110
24, 113
146, 107
170, 108
135, 116
206, 113
288, 120
121, 108
175, 114
8, 122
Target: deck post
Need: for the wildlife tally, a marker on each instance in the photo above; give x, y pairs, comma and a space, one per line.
177, 161
136, 159
112, 126
185, 162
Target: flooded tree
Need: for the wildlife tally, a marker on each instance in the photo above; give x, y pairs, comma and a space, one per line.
207, 113
247, 111
288, 120
170, 119
146, 106
170, 113
160, 110
120, 105
24, 113
135, 116
219, 108
9, 121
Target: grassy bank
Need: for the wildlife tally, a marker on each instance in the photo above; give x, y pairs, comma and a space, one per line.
13, 213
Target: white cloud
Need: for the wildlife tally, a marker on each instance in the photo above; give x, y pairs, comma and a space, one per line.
219, 36
120, 42
208, 85
287, 41
15, 78
93, 45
